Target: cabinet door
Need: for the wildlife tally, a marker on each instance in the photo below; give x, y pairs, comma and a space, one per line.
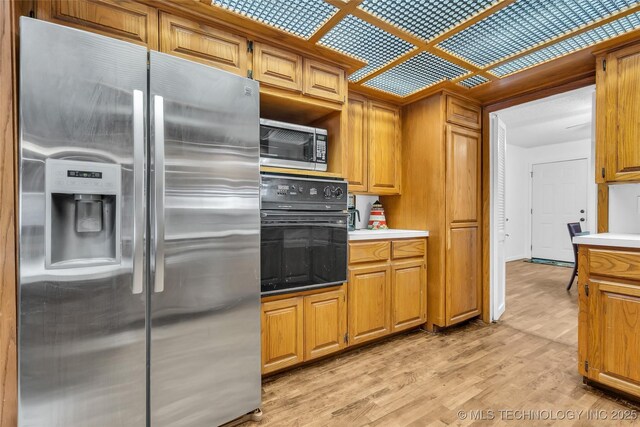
463, 175
384, 149
614, 335
325, 323
622, 77
408, 294
369, 302
277, 67
357, 144
282, 334
463, 290
463, 113
124, 20
200, 43
323, 81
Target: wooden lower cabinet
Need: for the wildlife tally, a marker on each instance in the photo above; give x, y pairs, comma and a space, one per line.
408, 295
609, 324
463, 288
369, 302
302, 327
387, 287
325, 324
282, 334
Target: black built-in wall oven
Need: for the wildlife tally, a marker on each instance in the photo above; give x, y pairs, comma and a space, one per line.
303, 233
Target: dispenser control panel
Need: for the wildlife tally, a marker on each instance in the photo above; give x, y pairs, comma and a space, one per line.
71, 176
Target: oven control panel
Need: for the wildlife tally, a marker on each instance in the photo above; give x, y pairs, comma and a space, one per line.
303, 194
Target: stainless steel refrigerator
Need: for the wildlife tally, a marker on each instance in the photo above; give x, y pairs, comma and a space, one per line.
139, 295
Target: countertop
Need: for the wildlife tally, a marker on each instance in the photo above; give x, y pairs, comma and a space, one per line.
386, 234
609, 239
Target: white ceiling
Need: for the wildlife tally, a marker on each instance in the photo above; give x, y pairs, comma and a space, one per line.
560, 118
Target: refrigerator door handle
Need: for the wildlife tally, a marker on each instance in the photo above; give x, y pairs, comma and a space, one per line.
158, 165
138, 191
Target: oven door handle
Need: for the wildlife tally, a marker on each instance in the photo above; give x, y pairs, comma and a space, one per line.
341, 224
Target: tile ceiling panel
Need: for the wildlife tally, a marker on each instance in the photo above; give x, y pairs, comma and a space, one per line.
525, 24
419, 72
362, 40
570, 45
473, 81
428, 18
299, 17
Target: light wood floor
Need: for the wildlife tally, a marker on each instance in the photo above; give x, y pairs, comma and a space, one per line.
527, 361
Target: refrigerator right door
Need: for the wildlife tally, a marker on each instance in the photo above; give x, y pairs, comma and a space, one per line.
204, 246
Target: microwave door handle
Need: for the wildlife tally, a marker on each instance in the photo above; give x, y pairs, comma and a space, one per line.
158, 195
138, 191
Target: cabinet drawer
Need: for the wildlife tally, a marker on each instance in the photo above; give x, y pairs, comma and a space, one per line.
197, 42
463, 113
409, 248
619, 264
323, 81
369, 251
277, 67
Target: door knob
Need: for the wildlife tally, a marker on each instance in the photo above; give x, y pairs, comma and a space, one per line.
582, 220
581, 210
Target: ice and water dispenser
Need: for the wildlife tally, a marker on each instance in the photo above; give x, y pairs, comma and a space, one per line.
83, 205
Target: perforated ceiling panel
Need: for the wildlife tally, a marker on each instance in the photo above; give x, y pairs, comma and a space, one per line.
570, 45
473, 81
299, 17
419, 72
427, 18
360, 39
524, 24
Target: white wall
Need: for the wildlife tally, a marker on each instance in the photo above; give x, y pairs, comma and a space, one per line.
624, 208
520, 163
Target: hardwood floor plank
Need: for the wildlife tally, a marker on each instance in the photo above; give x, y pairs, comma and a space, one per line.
526, 361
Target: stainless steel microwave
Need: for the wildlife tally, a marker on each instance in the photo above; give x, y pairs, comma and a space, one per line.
288, 145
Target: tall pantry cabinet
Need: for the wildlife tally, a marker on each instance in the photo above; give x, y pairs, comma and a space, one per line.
441, 177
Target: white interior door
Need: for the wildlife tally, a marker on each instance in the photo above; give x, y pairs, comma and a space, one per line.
498, 217
559, 196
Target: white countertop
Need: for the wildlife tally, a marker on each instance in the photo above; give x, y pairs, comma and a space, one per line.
386, 234
609, 239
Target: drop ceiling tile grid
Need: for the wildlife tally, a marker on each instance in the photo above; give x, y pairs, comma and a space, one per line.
524, 24
570, 45
300, 17
417, 73
365, 41
473, 81
425, 19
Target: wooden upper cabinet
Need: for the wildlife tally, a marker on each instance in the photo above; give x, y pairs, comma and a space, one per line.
408, 295
463, 113
201, 43
369, 302
282, 334
358, 147
614, 335
384, 149
463, 287
619, 101
124, 20
277, 67
325, 323
463, 174
324, 81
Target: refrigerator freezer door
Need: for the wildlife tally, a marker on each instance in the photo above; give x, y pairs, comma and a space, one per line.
205, 318
82, 347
